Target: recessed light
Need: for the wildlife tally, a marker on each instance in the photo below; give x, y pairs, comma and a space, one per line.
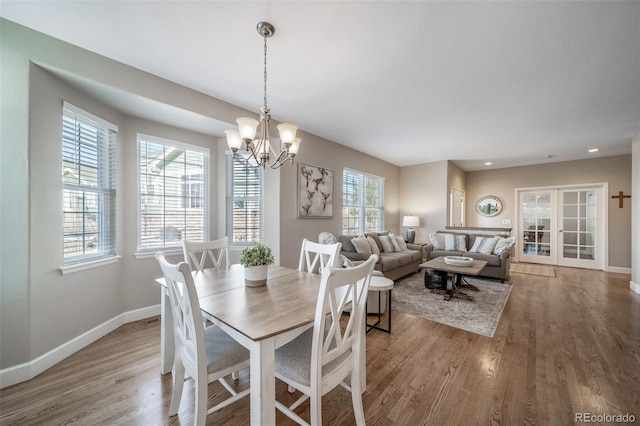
488, 163
594, 150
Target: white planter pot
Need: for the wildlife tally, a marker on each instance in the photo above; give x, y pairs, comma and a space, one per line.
256, 276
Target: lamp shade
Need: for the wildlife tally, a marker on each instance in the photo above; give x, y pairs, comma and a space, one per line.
233, 139
247, 127
411, 221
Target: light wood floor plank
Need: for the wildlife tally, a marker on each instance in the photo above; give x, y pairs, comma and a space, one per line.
563, 345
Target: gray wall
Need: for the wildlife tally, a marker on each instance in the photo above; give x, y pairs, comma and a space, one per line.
424, 193
503, 182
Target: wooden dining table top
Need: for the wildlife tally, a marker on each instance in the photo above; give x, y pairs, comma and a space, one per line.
286, 302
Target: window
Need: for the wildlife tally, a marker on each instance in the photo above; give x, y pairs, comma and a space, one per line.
173, 193
88, 186
362, 203
244, 202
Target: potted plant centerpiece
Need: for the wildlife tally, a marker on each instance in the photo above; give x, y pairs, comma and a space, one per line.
256, 261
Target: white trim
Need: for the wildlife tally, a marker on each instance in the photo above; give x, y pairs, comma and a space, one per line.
83, 266
635, 287
88, 115
173, 251
619, 270
28, 370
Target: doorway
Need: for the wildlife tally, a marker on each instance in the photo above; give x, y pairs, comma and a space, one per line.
564, 226
456, 207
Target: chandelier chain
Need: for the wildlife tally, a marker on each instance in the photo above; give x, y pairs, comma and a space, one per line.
265, 73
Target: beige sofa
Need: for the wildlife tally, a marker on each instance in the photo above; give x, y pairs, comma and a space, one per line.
393, 265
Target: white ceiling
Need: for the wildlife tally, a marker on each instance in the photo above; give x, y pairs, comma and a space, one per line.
514, 83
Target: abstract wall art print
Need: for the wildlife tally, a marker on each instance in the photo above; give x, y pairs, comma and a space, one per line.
315, 191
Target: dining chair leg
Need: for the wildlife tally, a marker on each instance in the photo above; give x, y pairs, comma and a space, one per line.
316, 410
356, 396
178, 385
201, 399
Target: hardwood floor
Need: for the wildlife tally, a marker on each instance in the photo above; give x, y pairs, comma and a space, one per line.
564, 345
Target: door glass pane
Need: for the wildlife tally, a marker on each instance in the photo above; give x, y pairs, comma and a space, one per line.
536, 223
579, 224
570, 211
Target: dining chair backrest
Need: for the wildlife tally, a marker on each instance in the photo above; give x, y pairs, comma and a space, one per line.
187, 317
315, 257
334, 339
197, 253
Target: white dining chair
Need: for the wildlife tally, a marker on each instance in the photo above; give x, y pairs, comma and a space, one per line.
324, 356
204, 354
314, 257
196, 253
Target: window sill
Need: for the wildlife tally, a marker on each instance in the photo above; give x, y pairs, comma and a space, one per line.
83, 266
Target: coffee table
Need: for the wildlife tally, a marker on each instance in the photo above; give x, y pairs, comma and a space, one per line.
457, 281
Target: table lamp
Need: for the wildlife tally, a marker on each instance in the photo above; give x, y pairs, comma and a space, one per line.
411, 222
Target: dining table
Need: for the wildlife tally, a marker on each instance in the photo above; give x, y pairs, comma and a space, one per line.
260, 318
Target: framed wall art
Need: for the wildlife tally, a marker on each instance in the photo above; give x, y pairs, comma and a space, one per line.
315, 191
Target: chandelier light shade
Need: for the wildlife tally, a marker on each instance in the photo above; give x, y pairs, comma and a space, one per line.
411, 222
258, 148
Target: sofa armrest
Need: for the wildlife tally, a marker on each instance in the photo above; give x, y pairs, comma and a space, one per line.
417, 247
505, 254
428, 248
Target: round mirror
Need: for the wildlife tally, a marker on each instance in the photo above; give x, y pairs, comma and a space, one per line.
489, 206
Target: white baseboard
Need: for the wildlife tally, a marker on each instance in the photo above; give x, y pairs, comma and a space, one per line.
619, 270
635, 287
28, 370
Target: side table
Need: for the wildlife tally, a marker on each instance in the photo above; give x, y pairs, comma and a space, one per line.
380, 284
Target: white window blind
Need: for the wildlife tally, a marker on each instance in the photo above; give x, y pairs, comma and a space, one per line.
89, 186
173, 188
244, 202
362, 202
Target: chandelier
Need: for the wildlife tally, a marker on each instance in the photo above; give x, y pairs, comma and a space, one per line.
259, 150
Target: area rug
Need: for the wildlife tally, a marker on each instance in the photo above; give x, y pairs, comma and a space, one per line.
533, 269
480, 315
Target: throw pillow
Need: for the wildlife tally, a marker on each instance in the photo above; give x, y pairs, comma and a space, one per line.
394, 241
437, 240
346, 262
327, 238
461, 243
484, 245
449, 242
374, 245
362, 245
387, 245
402, 243
504, 244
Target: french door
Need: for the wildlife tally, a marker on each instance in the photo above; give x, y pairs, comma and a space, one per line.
563, 226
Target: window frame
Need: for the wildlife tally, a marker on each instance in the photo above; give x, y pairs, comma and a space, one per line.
183, 183
105, 188
230, 199
362, 204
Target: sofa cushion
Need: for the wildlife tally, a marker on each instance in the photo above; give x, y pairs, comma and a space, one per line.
484, 245
346, 242
402, 243
374, 246
492, 259
437, 240
438, 253
387, 243
362, 245
504, 244
376, 238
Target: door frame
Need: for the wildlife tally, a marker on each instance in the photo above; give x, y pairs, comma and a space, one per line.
603, 210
